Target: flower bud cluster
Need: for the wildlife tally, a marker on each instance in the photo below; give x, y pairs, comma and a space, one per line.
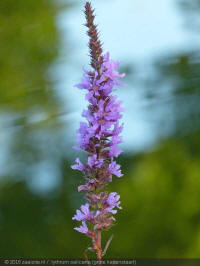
94, 43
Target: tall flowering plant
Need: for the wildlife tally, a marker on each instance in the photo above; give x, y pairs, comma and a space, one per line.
99, 137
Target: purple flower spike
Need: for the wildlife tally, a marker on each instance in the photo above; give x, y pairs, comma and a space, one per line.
99, 137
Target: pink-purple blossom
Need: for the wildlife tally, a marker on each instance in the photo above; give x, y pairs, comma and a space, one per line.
112, 202
78, 166
84, 214
114, 169
99, 136
83, 228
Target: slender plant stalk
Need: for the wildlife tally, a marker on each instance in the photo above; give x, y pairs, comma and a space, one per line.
99, 137
99, 251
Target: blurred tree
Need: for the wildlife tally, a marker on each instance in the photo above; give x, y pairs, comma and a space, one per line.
35, 226
176, 91
29, 44
161, 203
191, 9
29, 104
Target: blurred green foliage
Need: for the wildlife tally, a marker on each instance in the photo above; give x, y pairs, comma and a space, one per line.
29, 40
29, 103
160, 190
180, 71
161, 202
160, 218
191, 13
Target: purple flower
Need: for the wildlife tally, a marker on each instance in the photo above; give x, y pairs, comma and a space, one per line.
83, 228
90, 98
85, 83
78, 166
114, 151
117, 129
93, 162
110, 67
112, 202
114, 169
116, 140
87, 186
84, 214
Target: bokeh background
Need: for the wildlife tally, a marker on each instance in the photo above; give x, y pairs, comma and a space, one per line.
43, 47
